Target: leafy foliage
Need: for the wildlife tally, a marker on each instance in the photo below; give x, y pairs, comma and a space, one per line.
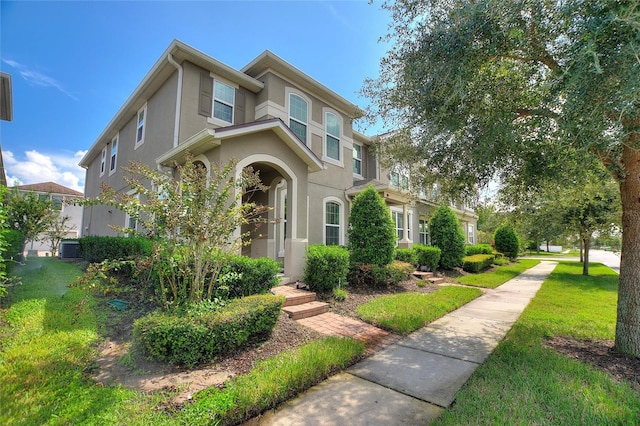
406, 255
29, 213
379, 275
95, 249
428, 256
447, 234
191, 339
326, 267
477, 262
245, 276
478, 249
57, 231
507, 241
372, 237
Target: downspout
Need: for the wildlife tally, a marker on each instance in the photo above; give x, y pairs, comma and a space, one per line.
176, 125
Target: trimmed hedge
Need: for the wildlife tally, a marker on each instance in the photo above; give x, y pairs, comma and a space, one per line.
190, 339
406, 255
472, 249
95, 249
428, 256
507, 242
326, 267
246, 276
379, 275
477, 262
14, 240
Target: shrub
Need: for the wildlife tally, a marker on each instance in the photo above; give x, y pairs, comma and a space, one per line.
506, 240
477, 262
372, 236
326, 267
340, 294
427, 256
245, 276
447, 234
472, 249
379, 276
407, 255
191, 339
14, 240
95, 249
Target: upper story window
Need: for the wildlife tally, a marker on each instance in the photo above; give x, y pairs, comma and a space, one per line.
298, 116
399, 180
357, 159
114, 155
142, 114
223, 100
332, 141
103, 161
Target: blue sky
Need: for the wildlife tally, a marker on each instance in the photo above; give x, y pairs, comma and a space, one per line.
73, 64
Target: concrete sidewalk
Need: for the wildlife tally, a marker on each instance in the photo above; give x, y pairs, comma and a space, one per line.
413, 381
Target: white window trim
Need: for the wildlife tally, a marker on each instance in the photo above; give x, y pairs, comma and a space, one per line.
127, 217
144, 125
324, 219
341, 141
212, 119
357, 175
288, 92
115, 140
471, 233
409, 222
426, 223
103, 160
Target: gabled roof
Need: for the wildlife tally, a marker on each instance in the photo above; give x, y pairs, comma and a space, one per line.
49, 188
207, 139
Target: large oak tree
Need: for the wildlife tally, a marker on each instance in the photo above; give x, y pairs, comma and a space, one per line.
513, 88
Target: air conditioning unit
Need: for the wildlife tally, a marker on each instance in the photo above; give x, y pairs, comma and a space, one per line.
69, 250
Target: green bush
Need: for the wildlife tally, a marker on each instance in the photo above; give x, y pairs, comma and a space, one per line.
326, 267
472, 249
427, 256
340, 294
372, 236
407, 255
246, 276
379, 275
477, 262
190, 339
14, 240
95, 249
447, 234
507, 242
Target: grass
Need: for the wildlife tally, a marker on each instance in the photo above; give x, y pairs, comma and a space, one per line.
406, 312
272, 382
523, 382
498, 277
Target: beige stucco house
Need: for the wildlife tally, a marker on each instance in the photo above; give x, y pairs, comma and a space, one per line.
269, 115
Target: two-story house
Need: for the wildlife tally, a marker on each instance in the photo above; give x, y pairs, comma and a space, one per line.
268, 115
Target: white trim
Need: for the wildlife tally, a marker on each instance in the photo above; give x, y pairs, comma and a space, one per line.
103, 160
142, 110
340, 161
233, 87
407, 225
204, 160
471, 236
113, 158
341, 228
289, 91
266, 158
127, 217
353, 157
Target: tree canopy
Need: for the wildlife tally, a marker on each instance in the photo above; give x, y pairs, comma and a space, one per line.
521, 90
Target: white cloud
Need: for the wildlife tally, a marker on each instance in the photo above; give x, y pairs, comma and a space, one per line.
37, 167
37, 78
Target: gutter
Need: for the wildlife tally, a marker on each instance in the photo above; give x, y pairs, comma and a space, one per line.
176, 124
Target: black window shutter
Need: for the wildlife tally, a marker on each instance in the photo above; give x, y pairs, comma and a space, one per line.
205, 100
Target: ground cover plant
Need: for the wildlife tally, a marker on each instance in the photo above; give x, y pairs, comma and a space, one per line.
500, 276
406, 312
525, 381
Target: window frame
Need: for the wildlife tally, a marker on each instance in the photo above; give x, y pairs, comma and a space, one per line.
215, 99
357, 159
291, 117
113, 158
471, 233
398, 213
339, 225
103, 160
423, 231
141, 126
338, 138
128, 217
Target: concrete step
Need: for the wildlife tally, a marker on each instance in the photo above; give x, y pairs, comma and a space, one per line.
435, 280
422, 275
306, 310
284, 280
293, 295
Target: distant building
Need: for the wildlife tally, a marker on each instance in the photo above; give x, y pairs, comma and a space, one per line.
62, 198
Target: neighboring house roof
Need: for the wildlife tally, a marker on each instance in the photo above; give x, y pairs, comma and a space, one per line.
209, 138
49, 188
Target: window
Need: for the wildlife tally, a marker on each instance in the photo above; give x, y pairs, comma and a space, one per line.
332, 223
56, 202
114, 155
357, 159
103, 161
398, 220
131, 222
140, 129
423, 230
399, 180
223, 97
298, 116
471, 236
332, 141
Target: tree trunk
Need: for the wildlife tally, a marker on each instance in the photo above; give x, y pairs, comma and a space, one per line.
547, 246
585, 261
628, 322
581, 251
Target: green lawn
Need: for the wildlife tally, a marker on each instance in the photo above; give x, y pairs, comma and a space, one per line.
406, 312
523, 382
500, 276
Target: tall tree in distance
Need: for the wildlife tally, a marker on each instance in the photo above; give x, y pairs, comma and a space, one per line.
516, 89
